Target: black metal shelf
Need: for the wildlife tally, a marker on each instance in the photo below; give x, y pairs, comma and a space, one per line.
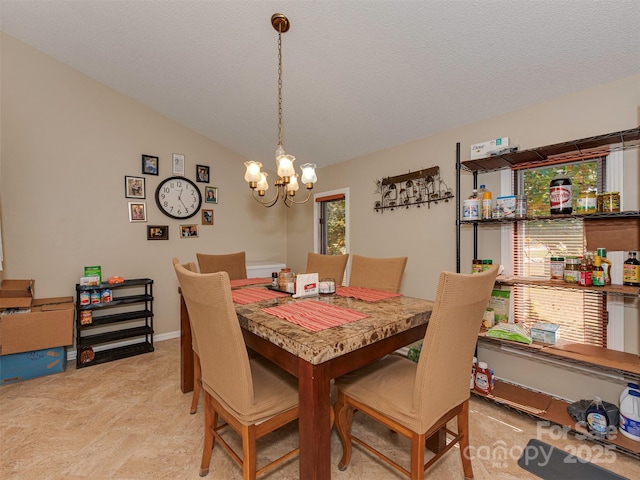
584, 216
140, 311
118, 353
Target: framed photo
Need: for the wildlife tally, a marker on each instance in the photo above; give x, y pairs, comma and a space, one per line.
137, 212
178, 164
134, 187
149, 165
188, 231
158, 232
202, 173
207, 216
211, 194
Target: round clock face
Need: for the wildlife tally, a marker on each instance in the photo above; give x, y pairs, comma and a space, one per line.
178, 197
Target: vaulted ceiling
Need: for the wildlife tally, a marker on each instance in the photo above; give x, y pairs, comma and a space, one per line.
359, 76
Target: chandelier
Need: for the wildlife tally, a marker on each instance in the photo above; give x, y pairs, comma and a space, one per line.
287, 183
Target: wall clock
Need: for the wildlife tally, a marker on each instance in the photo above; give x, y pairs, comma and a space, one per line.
178, 197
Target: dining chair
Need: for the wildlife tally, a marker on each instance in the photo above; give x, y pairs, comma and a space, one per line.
377, 273
197, 380
232, 263
252, 396
416, 400
327, 266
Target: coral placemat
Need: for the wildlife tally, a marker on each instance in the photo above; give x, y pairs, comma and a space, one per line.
315, 315
365, 294
252, 295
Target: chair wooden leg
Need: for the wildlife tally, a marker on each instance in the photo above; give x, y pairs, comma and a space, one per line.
210, 420
463, 430
344, 417
197, 383
418, 445
248, 452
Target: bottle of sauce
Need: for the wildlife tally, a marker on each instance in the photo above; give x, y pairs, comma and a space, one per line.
597, 274
584, 271
484, 378
631, 271
560, 194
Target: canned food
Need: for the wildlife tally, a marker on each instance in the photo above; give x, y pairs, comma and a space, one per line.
611, 202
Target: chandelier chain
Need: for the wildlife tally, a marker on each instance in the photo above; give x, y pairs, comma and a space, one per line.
280, 85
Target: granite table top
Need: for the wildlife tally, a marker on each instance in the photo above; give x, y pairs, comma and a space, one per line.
386, 318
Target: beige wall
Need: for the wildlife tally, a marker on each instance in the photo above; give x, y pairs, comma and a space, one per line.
67, 143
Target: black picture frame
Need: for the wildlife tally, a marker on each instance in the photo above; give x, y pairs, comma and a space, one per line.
157, 232
202, 173
150, 165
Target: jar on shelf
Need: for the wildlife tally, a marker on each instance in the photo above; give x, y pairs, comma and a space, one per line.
557, 268
571, 269
611, 202
587, 202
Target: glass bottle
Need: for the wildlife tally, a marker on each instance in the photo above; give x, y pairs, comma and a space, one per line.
631, 271
584, 274
597, 274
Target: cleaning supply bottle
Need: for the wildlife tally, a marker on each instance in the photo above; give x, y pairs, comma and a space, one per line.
630, 415
487, 203
625, 392
597, 420
471, 207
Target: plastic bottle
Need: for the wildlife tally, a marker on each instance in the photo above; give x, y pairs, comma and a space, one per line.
625, 392
560, 194
483, 378
597, 420
487, 203
585, 271
630, 415
597, 274
631, 271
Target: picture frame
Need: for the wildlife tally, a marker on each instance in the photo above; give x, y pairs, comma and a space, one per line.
211, 194
158, 232
202, 173
189, 231
134, 187
137, 212
178, 164
207, 216
150, 165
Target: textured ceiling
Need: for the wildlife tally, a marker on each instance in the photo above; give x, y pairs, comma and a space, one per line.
359, 76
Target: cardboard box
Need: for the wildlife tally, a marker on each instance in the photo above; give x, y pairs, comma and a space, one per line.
544, 332
508, 205
485, 149
49, 324
22, 366
16, 293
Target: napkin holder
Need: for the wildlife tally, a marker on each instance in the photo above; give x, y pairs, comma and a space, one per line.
306, 285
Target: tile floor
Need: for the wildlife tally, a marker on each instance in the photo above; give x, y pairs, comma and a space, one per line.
128, 420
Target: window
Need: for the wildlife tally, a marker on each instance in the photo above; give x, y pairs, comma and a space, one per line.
331, 224
582, 315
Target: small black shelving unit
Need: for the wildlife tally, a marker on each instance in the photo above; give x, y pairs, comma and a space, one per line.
119, 328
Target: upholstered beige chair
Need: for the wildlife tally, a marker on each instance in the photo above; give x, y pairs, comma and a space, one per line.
378, 273
327, 266
417, 400
197, 380
233, 263
252, 396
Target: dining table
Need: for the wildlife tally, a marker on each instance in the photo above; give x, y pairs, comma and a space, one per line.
372, 326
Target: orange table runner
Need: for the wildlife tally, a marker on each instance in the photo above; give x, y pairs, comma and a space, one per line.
365, 294
315, 315
243, 282
252, 295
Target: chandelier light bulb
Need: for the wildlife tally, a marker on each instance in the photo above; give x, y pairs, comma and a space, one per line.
293, 186
262, 185
252, 175
309, 176
285, 166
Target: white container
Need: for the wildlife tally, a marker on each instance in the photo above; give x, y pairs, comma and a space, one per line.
630, 415
470, 209
625, 392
